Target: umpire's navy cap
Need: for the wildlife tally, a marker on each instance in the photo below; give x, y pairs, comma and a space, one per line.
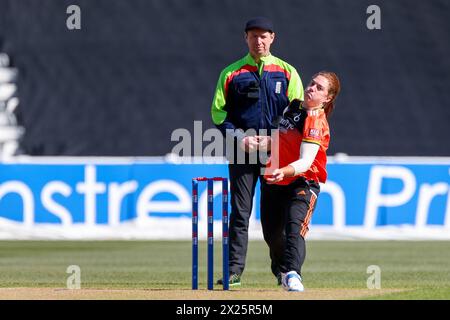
259, 23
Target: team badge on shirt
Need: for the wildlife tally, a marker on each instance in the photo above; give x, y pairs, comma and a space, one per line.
278, 87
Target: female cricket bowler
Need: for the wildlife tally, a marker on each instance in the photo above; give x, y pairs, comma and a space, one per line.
292, 176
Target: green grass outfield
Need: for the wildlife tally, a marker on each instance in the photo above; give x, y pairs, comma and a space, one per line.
422, 268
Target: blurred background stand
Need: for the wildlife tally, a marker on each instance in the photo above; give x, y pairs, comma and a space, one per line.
10, 130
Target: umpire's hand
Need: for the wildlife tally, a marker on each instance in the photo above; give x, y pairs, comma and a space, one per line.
249, 144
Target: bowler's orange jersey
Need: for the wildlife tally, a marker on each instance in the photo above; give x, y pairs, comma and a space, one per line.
299, 125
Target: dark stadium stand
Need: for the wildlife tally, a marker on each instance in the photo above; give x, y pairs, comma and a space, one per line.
139, 69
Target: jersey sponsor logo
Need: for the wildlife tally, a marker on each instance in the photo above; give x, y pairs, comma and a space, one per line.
286, 124
314, 133
291, 119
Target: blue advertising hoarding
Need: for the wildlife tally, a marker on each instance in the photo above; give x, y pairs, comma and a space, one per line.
88, 194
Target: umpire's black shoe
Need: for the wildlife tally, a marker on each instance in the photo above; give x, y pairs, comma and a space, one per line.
235, 280
279, 279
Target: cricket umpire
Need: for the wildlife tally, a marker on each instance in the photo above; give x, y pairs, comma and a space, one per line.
251, 93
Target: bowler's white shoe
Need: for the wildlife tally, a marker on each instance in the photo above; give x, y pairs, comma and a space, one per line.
291, 281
